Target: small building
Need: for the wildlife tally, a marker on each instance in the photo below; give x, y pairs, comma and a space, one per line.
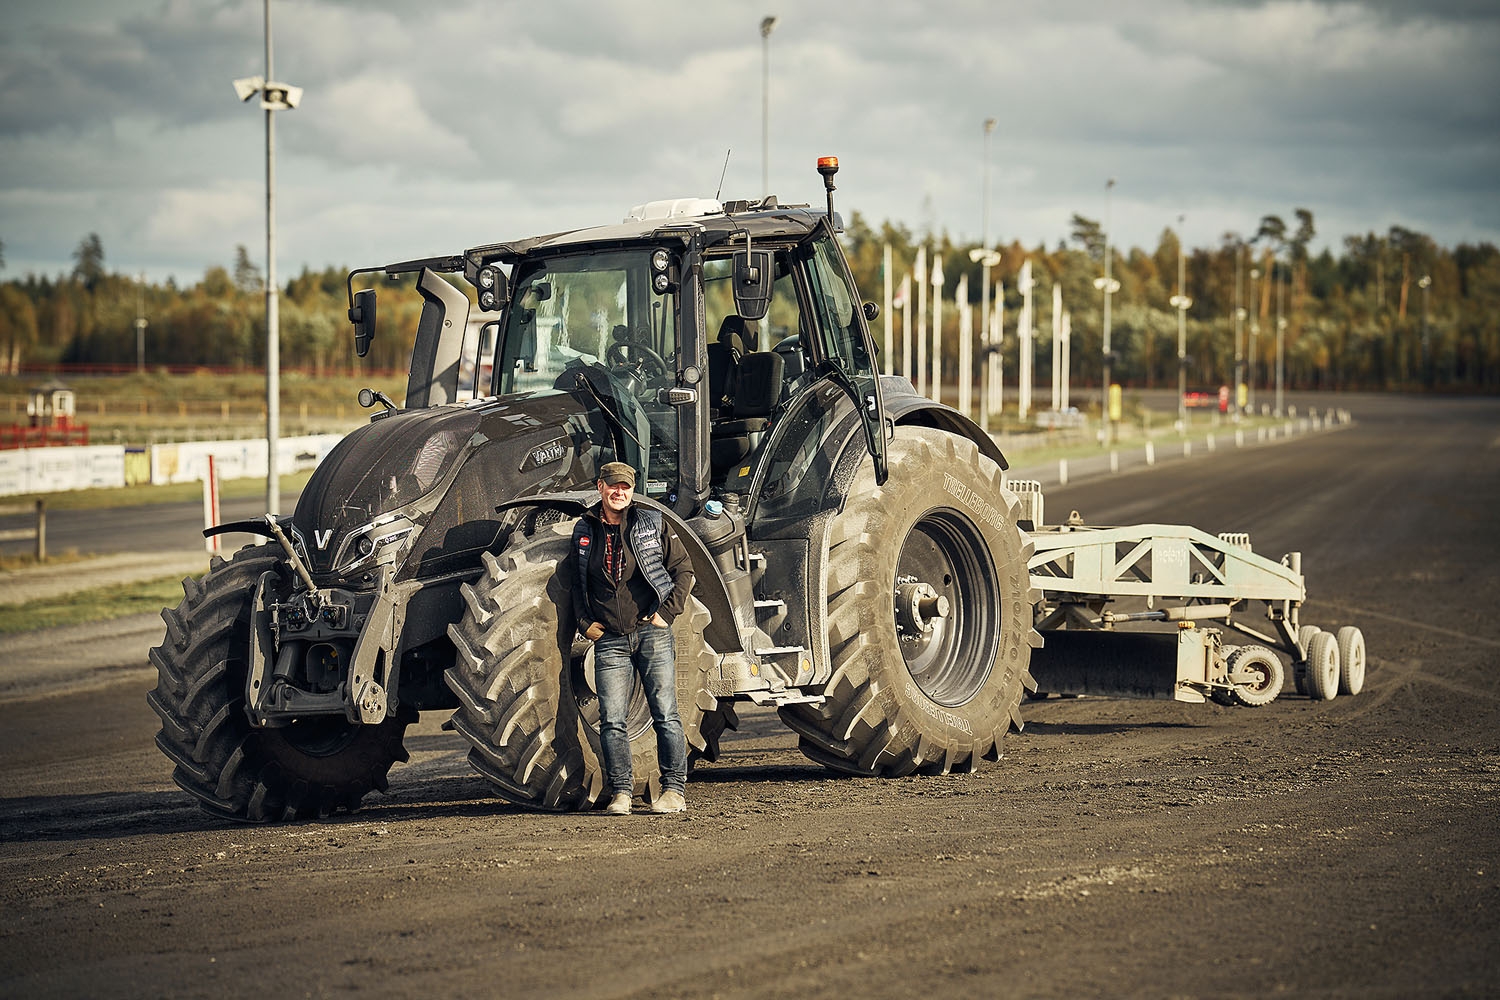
51, 406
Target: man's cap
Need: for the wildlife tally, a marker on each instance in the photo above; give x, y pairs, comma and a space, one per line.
615, 473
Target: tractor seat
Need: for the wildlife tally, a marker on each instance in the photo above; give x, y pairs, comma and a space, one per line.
724, 360
742, 424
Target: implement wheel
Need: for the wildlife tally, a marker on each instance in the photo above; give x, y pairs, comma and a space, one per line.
1322, 667
1351, 642
526, 704
929, 616
1266, 669
309, 769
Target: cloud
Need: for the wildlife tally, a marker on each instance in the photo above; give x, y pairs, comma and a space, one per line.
424, 129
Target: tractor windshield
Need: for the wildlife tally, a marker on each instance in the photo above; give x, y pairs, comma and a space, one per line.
595, 315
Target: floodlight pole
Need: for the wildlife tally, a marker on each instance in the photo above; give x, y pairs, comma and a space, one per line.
766, 25
1181, 302
273, 97
273, 320
1108, 285
140, 324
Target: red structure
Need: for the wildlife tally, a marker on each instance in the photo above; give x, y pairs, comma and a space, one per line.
50, 421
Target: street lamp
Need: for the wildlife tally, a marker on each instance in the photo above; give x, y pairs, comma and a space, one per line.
987, 259
1280, 337
1239, 324
1254, 339
1424, 283
1181, 302
140, 325
1108, 286
274, 97
766, 26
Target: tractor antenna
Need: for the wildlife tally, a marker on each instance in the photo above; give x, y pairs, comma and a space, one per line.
723, 172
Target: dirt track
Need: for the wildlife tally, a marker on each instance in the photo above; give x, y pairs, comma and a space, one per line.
1121, 848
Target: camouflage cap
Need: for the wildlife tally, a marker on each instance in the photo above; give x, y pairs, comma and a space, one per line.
615, 473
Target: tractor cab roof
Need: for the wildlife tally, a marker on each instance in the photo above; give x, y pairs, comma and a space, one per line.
678, 218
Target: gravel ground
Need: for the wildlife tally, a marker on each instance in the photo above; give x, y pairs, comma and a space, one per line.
1320, 849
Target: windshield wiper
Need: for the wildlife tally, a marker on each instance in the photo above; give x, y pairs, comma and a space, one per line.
607, 408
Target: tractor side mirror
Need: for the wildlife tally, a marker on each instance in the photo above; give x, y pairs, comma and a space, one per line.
363, 318
752, 283
872, 312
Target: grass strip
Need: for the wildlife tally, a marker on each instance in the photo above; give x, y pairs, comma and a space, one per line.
99, 604
139, 496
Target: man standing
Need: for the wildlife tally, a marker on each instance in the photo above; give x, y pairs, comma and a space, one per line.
632, 579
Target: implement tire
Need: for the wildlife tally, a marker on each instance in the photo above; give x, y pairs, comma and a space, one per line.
525, 704
303, 771
923, 689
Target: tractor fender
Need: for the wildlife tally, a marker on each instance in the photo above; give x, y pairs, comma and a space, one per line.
904, 406
708, 586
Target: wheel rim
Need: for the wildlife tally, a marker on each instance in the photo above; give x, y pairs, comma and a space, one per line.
637, 719
949, 651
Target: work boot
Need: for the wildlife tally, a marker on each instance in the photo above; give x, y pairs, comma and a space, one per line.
671, 801
619, 804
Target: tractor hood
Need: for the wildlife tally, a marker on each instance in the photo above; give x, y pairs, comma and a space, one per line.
419, 488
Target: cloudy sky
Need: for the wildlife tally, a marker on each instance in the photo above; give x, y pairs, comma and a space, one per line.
427, 128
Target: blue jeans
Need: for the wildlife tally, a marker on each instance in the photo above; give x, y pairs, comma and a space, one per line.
617, 659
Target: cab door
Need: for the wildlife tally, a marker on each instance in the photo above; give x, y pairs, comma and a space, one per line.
846, 351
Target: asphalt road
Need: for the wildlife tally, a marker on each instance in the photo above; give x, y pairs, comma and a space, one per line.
1342, 848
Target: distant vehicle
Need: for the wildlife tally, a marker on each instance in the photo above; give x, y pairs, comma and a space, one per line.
1203, 399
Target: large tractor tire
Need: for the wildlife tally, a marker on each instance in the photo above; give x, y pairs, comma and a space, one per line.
523, 684
929, 616
309, 769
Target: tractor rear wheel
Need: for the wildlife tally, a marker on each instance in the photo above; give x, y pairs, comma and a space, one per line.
929, 616
305, 770
526, 704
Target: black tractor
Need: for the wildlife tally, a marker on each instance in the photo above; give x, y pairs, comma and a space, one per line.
859, 565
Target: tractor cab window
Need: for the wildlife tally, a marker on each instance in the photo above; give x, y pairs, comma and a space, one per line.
835, 301
841, 333
596, 313
777, 332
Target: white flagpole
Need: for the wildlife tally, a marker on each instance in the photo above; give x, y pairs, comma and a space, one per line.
997, 360
906, 324
885, 267
1023, 400
921, 321
937, 327
965, 348
1067, 341
1056, 344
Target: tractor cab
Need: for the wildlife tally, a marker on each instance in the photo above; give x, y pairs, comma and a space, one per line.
695, 328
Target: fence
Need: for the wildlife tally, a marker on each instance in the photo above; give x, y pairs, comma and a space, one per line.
38, 530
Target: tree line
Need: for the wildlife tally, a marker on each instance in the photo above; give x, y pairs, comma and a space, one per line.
1389, 311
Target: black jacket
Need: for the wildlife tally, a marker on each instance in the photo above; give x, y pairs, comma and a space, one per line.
656, 575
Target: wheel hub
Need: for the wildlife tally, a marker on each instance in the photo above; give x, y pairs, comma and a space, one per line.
918, 605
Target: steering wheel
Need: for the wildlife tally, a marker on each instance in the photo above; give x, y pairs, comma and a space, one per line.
634, 357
